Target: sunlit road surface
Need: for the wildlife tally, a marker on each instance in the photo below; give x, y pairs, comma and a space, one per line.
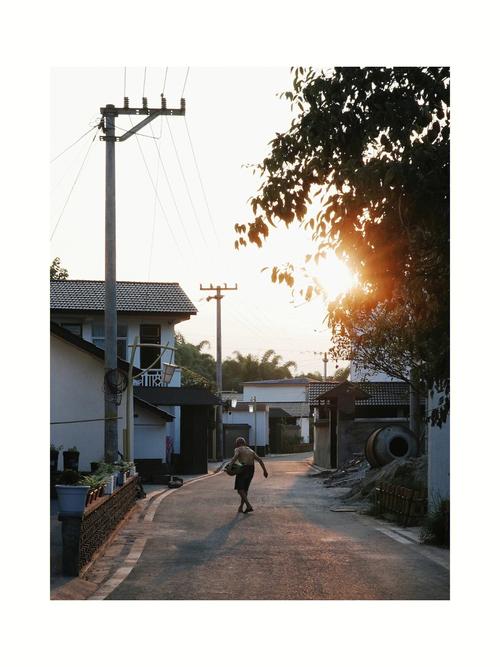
292, 547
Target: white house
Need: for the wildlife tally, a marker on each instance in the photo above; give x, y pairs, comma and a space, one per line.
249, 420
289, 394
77, 404
148, 311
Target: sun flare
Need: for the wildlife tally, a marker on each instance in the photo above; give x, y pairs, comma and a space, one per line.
333, 277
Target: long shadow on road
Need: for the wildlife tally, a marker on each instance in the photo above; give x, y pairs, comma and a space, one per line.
291, 547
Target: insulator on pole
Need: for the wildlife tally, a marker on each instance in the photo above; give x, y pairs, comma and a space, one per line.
144, 102
125, 102
163, 101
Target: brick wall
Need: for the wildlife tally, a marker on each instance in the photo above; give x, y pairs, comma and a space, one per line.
82, 536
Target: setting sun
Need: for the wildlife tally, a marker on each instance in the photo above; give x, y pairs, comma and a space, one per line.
333, 277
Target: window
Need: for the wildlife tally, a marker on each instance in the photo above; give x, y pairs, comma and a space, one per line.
121, 338
151, 334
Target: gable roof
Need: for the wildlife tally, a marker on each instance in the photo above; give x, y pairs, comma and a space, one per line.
132, 297
380, 393
166, 416
83, 344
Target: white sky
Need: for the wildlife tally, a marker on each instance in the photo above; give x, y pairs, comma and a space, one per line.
232, 114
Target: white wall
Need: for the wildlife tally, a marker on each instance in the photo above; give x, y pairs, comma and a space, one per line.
76, 393
133, 323
438, 450
246, 417
303, 422
275, 393
150, 432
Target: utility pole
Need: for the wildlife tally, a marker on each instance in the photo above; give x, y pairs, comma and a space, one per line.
218, 368
325, 361
109, 113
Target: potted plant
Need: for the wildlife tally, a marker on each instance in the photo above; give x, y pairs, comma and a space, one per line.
94, 482
106, 473
54, 457
71, 494
70, 458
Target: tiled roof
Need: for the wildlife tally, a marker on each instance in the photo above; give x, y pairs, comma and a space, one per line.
381, 393
294, 409
88, 295
61, 332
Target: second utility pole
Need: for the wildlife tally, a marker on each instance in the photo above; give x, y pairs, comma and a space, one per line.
218, 368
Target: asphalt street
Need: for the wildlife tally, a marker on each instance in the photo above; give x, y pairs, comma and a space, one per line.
195, 546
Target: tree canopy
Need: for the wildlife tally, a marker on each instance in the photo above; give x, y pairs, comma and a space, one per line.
198, 367
365, 168
245, 368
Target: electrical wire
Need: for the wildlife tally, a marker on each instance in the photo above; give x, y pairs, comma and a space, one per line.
164, 81
186, 183
144, 82
200, 179
173, 196
74, 143
185, 80
124, 82
156, 193
74, 183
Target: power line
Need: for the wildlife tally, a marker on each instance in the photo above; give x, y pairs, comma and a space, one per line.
74, 183
144, 82
185, 80
156, 193
172, 195
164, 81
200, 179
124, 82
185, 182
74, 143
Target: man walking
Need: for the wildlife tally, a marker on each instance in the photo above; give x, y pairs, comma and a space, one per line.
247, 457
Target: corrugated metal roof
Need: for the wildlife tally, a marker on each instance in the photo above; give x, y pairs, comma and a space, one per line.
381, 393
88, 295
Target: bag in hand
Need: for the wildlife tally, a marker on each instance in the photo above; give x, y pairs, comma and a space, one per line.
233, 468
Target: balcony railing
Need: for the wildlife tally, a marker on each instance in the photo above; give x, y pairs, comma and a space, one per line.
151, 378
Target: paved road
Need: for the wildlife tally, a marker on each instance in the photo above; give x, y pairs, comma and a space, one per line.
292, 547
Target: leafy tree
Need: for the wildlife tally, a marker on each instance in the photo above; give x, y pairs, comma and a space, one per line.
245, 368
198, 367
340, 375
56, 270
365, 168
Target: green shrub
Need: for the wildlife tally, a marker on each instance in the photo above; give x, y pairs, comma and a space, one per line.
436, 526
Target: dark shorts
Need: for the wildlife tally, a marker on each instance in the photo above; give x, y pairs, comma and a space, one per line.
243, 478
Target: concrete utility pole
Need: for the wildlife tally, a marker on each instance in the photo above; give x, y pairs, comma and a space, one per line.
218, 368
109, 113
325, 361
